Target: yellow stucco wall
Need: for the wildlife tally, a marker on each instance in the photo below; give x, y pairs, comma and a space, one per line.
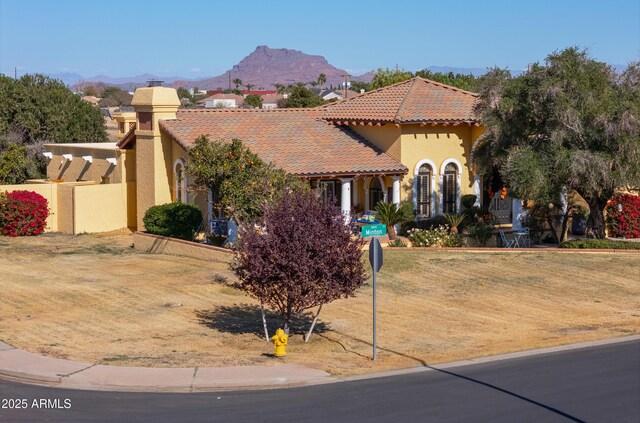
48, 191
386, 137
438, 144
100, 208
85, 207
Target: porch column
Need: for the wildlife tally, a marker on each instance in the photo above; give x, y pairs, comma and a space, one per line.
367, 184
395, 197
346, 199
516, 213
476, 190
354, 192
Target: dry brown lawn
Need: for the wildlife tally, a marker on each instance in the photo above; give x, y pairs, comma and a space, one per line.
93, 298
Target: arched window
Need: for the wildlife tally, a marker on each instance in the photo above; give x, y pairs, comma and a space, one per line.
450, 189
423, 200
181, 181
376, 194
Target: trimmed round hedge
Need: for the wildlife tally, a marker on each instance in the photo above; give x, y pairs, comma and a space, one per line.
175, 220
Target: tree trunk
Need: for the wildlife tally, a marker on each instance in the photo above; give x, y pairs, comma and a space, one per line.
264, 322
313, 324
287, 319
595, 223
391, 231
565, 222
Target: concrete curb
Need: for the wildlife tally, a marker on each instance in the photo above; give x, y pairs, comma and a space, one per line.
22, 366
495, 358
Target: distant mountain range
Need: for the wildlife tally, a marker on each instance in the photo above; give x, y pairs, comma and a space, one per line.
262, 68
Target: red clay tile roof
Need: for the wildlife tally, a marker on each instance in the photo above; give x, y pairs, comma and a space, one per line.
412, 101
297, 140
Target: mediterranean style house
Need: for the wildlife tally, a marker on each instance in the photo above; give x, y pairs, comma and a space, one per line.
406, 142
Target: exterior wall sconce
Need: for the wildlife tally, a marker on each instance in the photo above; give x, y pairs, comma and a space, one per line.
68, 157
47, 155
112, 161
88, 159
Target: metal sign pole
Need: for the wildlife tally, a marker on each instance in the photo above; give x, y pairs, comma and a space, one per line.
375, 267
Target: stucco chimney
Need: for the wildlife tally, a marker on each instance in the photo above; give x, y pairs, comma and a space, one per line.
153, 150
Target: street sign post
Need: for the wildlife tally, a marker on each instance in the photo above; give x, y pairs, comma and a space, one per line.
375, 258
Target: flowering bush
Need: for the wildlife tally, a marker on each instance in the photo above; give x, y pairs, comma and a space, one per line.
438, 237
23, 213
623, 216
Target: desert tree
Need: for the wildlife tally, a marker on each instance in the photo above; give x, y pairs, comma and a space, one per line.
239, 181
570, 123
303, 257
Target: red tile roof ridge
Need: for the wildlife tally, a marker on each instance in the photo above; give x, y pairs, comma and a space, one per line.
450, 87
234, 110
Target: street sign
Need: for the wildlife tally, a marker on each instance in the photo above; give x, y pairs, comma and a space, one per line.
374, 230
375, 258
375, 249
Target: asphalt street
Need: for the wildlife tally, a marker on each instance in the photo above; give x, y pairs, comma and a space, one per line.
597, 384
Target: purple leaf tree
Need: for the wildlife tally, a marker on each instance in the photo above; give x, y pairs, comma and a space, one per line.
301, 257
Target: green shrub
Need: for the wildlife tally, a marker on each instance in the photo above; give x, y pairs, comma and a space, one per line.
604, 244
481, 232
468, 201
398, 242
438, 237
175, 220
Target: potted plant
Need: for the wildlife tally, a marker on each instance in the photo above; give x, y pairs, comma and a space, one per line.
579, 218
391, 214
454, 220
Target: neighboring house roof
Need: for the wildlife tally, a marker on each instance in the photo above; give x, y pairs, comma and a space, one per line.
91, 99
297, 140
272, 98
413, 101
238, 98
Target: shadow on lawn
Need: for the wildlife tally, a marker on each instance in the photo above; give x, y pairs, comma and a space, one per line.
246, 318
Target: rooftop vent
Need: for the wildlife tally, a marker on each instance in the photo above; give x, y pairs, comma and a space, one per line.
154, 83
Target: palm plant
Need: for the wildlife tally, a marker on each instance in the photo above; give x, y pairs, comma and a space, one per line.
391, 214
454, 220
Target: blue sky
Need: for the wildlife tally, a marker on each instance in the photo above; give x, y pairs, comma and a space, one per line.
204, 38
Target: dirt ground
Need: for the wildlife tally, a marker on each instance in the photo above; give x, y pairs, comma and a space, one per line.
93, 298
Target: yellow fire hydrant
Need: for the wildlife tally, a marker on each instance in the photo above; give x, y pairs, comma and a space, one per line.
280, 343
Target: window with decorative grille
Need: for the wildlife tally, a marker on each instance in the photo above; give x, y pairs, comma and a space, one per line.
450, 189
424, 191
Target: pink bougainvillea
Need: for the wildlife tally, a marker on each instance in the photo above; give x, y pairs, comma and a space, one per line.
623, 216
23, 213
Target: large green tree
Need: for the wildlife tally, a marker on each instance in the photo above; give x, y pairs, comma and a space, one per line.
36, 109
299, 96
44, 109
570, 123
240, 182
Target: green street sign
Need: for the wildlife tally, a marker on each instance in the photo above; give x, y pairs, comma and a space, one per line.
374, 230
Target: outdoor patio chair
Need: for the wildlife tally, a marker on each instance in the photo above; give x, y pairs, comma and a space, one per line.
506, 243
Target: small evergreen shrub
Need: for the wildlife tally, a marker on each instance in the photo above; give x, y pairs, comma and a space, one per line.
604, 244
623, 216
397, 243
481, 232
23, 213
175, 220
